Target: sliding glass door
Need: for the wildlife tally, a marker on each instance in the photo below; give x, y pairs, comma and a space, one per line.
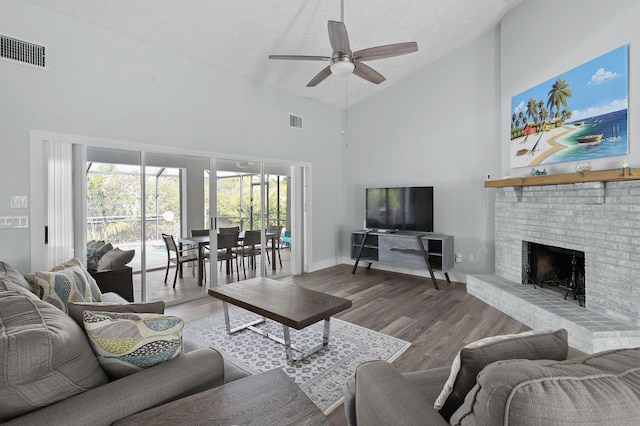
255, 196
128, 200
148, 203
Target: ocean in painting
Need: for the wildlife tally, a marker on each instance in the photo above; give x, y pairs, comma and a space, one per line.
613, 127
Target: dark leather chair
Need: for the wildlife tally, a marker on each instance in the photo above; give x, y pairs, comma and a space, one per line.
116, 280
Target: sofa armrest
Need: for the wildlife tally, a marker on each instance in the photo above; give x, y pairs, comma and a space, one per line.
116, 280
182, 376
385, 397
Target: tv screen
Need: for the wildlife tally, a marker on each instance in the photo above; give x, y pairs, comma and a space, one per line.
402, 208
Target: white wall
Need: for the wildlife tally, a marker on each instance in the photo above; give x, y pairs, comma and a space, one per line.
438, 127
107, 86
541, 39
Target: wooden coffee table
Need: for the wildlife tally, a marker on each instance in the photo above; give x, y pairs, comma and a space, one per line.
269, 398
289, 304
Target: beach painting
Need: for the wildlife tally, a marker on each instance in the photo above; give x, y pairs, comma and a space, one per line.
576, 116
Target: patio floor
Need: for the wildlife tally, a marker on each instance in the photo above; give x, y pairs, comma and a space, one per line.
187, 287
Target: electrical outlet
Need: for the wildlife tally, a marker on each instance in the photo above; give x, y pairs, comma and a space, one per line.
458, 258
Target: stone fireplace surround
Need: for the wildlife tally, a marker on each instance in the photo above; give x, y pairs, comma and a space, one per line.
602, 219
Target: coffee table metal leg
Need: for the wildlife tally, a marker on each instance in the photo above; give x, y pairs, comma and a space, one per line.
289, 348
291, 358
227, 323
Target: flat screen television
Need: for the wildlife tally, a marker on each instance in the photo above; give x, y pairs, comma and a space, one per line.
400, 209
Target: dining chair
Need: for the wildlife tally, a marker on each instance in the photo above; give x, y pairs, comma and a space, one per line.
202, 233
226, 245
229, 230
180, 257
250, 248
277, 231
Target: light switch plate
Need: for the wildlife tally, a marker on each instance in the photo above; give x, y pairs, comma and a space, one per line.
13, 222
19, 202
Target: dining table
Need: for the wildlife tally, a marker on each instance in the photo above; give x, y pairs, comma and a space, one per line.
204, 240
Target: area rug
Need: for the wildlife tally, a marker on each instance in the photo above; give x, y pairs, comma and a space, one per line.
323, 375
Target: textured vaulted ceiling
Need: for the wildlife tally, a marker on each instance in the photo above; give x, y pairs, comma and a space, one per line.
238, 35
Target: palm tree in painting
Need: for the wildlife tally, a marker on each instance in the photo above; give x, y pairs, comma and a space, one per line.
532, 109
558, 96
513, 120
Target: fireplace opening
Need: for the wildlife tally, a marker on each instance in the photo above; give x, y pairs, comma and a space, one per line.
554, 268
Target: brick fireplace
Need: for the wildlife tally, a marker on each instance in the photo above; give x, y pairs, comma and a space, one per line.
600, 219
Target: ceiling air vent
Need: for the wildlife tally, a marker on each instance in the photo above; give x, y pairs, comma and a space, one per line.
295, 121
23, 52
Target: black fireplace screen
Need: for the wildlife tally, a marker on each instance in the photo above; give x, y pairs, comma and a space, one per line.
555, 268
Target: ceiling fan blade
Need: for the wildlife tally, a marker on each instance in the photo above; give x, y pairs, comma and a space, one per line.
338, 37
386, 51
300, 57
326, 72
368, 73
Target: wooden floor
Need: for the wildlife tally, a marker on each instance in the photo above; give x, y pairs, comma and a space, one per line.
436, 322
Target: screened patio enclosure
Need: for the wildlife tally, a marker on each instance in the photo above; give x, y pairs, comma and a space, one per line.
134, 197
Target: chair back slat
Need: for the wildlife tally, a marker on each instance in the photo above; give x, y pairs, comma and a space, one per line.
229, 230
170, 243
227, 241
277, 230
251, 238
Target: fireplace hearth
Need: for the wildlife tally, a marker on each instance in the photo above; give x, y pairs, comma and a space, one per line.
598, 218
554, 268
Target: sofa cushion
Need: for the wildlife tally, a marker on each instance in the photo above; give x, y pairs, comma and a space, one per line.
602, 389
475, 356
45, 356
115, 259
126, 342
76, 265
76, 310
61, 287
10, 274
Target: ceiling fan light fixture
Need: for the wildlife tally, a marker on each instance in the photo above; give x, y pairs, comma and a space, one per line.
342, 67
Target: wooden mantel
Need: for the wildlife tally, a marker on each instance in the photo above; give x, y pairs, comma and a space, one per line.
565, 178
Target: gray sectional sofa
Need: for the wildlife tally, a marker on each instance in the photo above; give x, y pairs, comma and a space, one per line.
522, 380
50, 374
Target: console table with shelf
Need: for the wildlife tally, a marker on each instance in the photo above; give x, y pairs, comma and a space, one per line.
407, 249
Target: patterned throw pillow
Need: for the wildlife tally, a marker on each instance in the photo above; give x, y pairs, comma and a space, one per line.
76, 265
61, 287
126, 342
76, 310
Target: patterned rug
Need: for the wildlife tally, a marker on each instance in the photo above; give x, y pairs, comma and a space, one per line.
321, 376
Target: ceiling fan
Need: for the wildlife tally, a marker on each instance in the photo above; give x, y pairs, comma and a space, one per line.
344, 61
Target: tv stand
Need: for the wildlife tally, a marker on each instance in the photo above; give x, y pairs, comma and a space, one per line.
404, 248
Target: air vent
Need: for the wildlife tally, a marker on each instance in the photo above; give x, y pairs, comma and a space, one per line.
295, 121
24, 52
